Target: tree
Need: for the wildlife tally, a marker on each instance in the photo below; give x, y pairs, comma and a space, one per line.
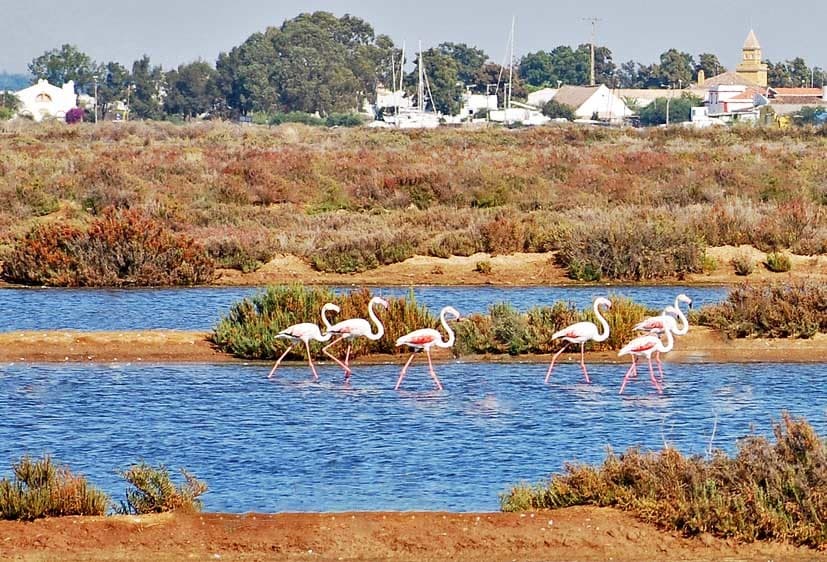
680, 109
469, 60
790, 74
537, 69
556, 110
635, 75
710, 64
113, 81
191, 90
811, 116
493, 73
59, 66
604, 66
442, 76
8, 105
676, 68
147, 84
312, 63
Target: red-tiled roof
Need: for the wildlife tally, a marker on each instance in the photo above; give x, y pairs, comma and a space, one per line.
797, 91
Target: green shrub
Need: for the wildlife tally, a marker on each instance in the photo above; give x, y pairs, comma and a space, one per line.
41, 488
795, 309
456, 243
352, 256
778, 262
743, 263
119, 248
625, 248
767, 491
344, 120
505, 330
153, 491
483, 267
249, 328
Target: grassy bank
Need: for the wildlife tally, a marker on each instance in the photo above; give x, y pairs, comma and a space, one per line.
625, 204
775, 310
766, 491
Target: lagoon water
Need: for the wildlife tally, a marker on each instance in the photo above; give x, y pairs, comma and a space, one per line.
289, 444
201, 308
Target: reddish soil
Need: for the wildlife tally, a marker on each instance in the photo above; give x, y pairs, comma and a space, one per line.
513, 269
578, 533
159, 346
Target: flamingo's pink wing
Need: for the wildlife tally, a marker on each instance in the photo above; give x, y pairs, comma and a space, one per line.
643, 346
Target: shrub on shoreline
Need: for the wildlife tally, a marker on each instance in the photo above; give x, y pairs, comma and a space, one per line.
767, 491
788, 309
153, 491
41, 488
249, 328
119, 248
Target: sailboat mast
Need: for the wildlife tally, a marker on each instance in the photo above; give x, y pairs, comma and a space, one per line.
420, 94
510, 66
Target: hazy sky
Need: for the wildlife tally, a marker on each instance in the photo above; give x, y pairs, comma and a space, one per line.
176, 31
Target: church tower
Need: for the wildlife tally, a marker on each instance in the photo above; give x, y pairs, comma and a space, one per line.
751, 66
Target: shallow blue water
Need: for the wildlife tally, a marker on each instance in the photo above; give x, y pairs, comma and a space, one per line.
290, 444
201, 308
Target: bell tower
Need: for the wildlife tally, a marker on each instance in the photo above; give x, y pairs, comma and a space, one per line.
751, 66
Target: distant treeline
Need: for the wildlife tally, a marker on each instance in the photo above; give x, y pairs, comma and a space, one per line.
320, 63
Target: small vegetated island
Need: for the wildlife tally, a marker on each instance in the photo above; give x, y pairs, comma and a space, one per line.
161, 204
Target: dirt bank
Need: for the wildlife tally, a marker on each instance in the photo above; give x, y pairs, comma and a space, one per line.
567, 534
513, 269
701, 345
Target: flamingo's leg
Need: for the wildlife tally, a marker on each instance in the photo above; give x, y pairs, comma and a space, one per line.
583, 362
310, 360
431, 367
553, 359
660, 366
652, 376
404, 370
326, 352
278, 362
348, 372
628, 374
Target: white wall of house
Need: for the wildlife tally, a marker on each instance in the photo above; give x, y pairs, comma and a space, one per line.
541, 97
606, 104
44, 101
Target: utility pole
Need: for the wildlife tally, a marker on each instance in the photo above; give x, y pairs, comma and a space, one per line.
594, 31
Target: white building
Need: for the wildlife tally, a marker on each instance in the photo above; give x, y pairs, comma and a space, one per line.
541, 97
44, 101
586, 101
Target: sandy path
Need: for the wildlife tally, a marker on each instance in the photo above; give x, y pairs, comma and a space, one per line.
701, 345
578, 533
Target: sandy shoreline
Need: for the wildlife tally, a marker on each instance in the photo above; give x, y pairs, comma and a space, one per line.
578, 533
701, 345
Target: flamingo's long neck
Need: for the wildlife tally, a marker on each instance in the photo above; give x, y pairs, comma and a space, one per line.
684, 322
605, 335
325, 321
451, 336
670, 342
380, 329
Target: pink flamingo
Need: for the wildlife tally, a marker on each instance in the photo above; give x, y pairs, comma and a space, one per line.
305, 332
581, 332
645, 346
355, 328
667, 321
425, 338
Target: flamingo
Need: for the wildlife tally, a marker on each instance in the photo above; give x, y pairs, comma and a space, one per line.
355, 328
645, 346
425, 338
581, 332
667, 321
305, 332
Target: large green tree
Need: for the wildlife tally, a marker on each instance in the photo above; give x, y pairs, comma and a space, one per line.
676, 68
680, 109
312, 63
113, 81
494, 74
469, 60
710, 64
442, 77
191, 90
565, 65
147, 83
59, 66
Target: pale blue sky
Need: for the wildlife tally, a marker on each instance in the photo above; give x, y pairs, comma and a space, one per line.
176, 31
